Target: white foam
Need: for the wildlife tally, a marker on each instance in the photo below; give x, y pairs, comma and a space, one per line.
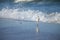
16, 1
30, 15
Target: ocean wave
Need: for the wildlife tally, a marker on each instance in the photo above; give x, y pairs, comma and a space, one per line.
35, 1
30, 15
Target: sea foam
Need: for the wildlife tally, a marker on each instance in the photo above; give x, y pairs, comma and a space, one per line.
30, 15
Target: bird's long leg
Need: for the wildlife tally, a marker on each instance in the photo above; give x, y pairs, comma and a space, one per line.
37, 28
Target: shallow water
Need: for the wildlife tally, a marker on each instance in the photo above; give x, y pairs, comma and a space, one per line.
20, 30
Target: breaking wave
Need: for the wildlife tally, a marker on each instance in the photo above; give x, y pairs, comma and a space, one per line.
37, 1
30, 15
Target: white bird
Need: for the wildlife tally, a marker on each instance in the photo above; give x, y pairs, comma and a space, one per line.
37, 28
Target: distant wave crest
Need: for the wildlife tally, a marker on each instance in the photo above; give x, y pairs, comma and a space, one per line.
17, 1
